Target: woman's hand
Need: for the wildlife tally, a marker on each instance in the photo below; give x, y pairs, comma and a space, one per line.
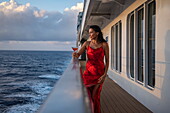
102, 78
74, 54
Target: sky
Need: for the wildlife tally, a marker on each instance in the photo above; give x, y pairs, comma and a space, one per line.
39, 24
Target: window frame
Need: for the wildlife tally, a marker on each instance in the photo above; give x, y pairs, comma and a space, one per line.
116, 53
136, 45
128, 45
145, 45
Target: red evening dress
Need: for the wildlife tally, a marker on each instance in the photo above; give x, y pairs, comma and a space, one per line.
94, 70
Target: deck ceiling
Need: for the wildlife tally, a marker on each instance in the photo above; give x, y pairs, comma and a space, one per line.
103, 12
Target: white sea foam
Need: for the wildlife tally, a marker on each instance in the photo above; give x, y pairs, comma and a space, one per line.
21, 95
27, 108
39, 86
42, 88
50, 76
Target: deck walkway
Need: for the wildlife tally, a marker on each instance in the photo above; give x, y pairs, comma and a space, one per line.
114, 99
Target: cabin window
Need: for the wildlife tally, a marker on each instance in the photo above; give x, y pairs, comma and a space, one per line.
141, 44
151, 43
120, 47
116, 44
131, 43
112, 46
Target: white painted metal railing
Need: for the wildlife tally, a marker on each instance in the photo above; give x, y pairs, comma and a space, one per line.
68, 95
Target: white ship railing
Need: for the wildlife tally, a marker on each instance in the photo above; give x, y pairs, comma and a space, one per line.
68, 95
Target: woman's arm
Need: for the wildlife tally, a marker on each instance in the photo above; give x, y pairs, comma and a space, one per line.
106, 51
82, 49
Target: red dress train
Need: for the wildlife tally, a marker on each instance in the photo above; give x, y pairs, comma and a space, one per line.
94, 70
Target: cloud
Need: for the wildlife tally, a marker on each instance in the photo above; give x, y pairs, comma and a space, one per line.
78, 7
27, 23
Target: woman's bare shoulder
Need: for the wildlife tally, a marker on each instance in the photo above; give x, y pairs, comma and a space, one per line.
86, 43
105, 44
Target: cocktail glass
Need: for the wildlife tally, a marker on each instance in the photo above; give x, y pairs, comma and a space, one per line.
75, 49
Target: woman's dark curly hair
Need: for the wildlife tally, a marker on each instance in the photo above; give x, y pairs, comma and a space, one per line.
96, 28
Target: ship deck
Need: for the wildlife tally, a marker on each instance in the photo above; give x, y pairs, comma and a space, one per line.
114, 99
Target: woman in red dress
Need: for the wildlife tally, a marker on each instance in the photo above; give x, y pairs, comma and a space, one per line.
96, 70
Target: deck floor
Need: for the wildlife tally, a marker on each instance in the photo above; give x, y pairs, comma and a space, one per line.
114, 99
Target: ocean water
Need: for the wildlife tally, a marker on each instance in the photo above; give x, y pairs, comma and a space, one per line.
27, 77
